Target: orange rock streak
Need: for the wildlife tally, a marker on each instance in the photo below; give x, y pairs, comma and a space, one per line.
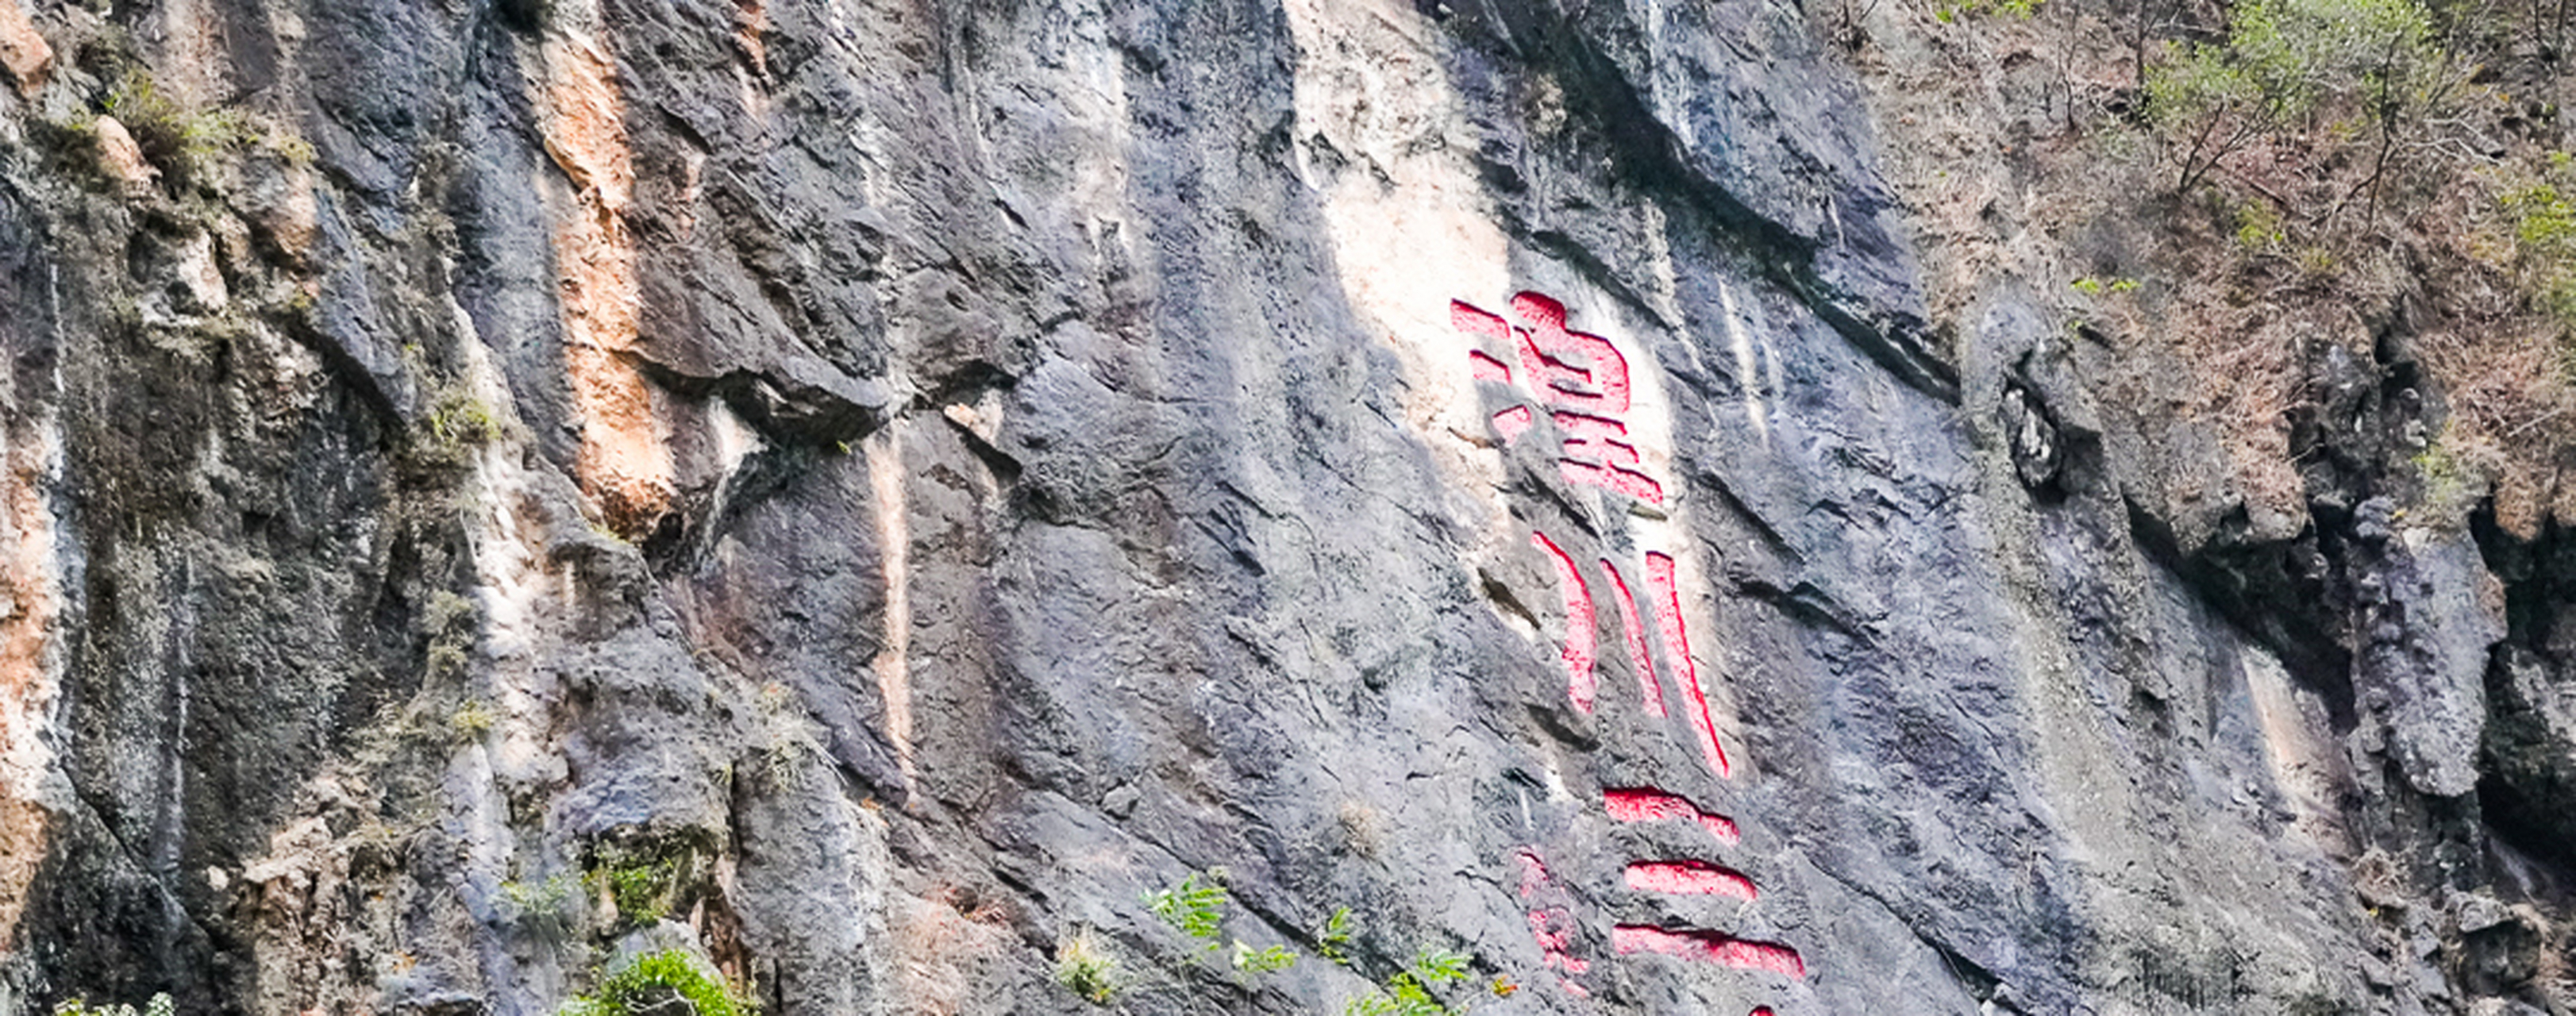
625, 465
31, 586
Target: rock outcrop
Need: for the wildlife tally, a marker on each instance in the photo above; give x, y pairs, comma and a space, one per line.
865, 492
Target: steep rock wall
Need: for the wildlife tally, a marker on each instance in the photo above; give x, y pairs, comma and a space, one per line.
910, 479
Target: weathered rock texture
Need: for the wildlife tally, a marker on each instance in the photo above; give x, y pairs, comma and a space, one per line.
910, 478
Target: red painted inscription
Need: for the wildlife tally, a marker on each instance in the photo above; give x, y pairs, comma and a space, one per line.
1689, 878
1708, 946
1552, 924
1659, 577
1639, 660
1581, 645
1651, 805
1581, 382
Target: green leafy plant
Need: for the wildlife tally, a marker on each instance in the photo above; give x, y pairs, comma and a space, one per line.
2544, 233
1333, 940
1251, 962
455, 426
1193, 907
647, 982
1409, 992
1196, 908
2091, 286
542, 908
462, 418
1951, 12
641, 889
160, 1005
1086, 969
472, 720
2259, 228
2455, 470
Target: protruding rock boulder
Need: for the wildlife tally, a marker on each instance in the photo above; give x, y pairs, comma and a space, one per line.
23, 50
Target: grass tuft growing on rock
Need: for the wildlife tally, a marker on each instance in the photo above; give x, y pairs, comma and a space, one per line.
648, 984
183, 141
641, 889
542, 909
1087, 969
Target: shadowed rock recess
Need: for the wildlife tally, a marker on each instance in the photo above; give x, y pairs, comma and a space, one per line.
865, 493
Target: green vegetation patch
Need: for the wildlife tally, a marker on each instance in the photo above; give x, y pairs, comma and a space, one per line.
2281, 60
1251, 962
543, 908
181, 140
159, 1006
448, 435
1333, 940
1411, 991
1087, 969
649, 982
1951, 12
642, 889
2543, 215
1196, 908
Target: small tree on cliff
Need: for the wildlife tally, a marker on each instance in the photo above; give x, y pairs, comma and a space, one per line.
2286, 59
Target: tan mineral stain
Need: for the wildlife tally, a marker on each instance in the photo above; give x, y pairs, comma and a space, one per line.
893, 663
31, 582
626, 466
2306, 762
1411, 230
751, 38
193, 63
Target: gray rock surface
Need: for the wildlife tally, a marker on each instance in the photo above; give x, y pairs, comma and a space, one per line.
865, 492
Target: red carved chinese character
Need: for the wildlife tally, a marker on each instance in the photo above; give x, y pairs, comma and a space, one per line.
1659, 577
1581, 382
1551, 924
1581, 649
1690, 878
1646, 804
1581, 378
1709, 946
1575, 370
1639, 659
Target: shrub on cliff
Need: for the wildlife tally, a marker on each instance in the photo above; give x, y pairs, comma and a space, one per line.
2543, 215
180, 139
2282, 62
649, 982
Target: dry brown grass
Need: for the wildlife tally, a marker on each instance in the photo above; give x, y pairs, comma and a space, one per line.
940, 941
2072, 189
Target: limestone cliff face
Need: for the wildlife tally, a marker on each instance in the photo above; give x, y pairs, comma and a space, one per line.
864, 491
